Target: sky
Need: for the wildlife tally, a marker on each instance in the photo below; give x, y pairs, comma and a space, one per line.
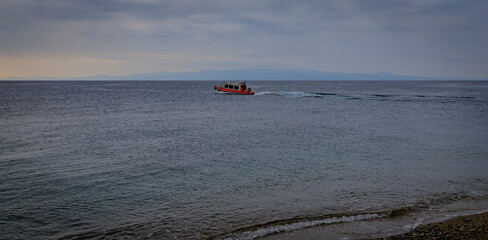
73, 38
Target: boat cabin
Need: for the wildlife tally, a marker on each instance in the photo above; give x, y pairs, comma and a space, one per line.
236, 86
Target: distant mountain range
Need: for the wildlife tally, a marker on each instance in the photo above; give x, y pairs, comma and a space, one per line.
251, 74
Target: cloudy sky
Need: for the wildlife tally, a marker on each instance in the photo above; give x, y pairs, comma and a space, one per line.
72, 38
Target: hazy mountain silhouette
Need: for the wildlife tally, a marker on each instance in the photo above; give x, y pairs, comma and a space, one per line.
250, 74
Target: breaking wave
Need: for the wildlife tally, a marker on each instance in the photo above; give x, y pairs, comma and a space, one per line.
267, 229
298, 223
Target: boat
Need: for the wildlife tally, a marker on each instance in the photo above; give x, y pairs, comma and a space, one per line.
236, 88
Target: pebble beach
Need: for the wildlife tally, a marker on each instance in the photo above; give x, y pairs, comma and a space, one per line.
463, 227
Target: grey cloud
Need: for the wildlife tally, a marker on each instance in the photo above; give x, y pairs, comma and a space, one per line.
316, 30
294, 14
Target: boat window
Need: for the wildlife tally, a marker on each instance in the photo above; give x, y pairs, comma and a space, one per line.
236, 87
226, 86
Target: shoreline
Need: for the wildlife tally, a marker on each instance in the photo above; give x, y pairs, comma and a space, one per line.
473, 226
470, 225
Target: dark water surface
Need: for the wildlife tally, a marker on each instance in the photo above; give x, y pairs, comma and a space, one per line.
174, 160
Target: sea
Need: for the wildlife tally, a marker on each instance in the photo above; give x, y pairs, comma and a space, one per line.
297, 160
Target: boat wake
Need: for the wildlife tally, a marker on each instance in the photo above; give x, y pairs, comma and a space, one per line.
377, 97
296, 94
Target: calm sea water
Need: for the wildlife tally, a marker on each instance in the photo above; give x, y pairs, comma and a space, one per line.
174, 160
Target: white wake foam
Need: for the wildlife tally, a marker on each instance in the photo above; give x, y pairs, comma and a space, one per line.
289, 94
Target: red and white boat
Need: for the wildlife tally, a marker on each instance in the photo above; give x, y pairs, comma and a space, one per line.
237, 88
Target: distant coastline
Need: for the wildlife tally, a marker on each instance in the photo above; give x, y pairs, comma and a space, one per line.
253, 75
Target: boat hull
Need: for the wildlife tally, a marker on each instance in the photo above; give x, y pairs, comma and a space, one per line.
221, 89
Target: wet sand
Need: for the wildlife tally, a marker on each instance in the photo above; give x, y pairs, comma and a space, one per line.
463, 227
